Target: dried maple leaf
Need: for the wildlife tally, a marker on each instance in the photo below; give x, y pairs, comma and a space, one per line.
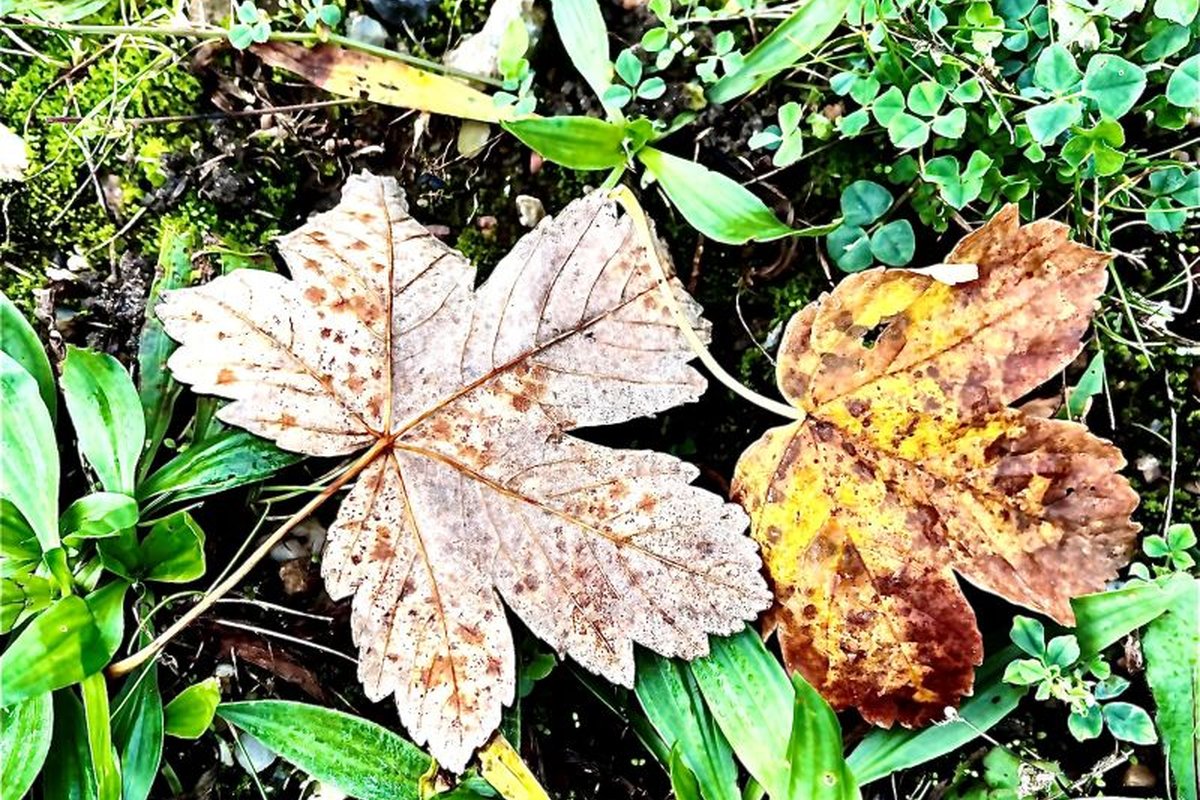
471, 490
910, 467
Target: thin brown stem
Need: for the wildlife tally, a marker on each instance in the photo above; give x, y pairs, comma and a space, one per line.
222, 588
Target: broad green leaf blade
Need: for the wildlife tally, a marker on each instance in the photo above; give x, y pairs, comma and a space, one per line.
156, 389
21, 343
717, 206
25, 731
1171, 646
230, 459
190, 712
684, 784
137, 725
173, 550
751, 698
1105, 618
28, 453
1114, 84
99, 736
799, 34
671, 699
72, 776
584, 36
355, 756
576, 142
107, 416
818, 770
64, 644
883, 752
98, 515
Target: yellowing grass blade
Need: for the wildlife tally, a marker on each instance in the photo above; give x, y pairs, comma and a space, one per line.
508, 774
350, 73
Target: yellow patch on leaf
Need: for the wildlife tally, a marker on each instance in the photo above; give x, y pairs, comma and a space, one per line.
910, 466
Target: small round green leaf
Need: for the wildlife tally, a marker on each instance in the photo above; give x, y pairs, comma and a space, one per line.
1113, 84
1130, 723
951, 124
1055, 70
1048, 121
1087, 725
863, 202
888, 105
893, 243
1183, 88
908, 132
850, 248
926, 98
190, 713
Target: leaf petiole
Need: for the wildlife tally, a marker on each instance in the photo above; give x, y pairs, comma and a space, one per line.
625, 197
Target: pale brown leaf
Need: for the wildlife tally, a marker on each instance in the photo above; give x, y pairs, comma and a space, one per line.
479, 495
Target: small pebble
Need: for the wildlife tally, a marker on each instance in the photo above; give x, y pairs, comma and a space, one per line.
530, 210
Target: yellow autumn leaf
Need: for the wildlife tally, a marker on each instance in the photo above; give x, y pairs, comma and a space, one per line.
910, 466
349, 73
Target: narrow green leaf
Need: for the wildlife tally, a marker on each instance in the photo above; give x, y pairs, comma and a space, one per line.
156, 389
25, 731
818, 770
28, 453
883, 752
137, 725
230, 459
717, 206
55, 10
1090, 384
1105, 618
799, 34
99, 736
751, 698
71, 776
21, 343
684, 784
190, 713
671, 699
582, 143
349, 753
584, 36
1171, 646
107, 416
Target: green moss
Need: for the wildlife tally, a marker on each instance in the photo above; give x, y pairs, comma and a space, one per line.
58, 210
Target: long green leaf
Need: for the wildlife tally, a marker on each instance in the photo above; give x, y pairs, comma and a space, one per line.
799, 34
750, 696
156, 389
53, 10
70, 776
28, 453
1171, 646
584, 36
353, 755
21, 343
98, 515
671, 699
577, 142
226, 461
99, 734
25, 732
107, 416
137, 725
714, 204
72, 639
818, 770
1105, 618
883, 752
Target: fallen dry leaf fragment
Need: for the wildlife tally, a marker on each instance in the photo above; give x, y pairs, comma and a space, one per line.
349, 73
910, 466
473, 491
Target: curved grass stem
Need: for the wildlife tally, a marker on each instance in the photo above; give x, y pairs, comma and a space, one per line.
222, 588
625, 197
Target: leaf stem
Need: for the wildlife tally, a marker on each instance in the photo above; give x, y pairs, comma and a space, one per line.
222, 588
625, 197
